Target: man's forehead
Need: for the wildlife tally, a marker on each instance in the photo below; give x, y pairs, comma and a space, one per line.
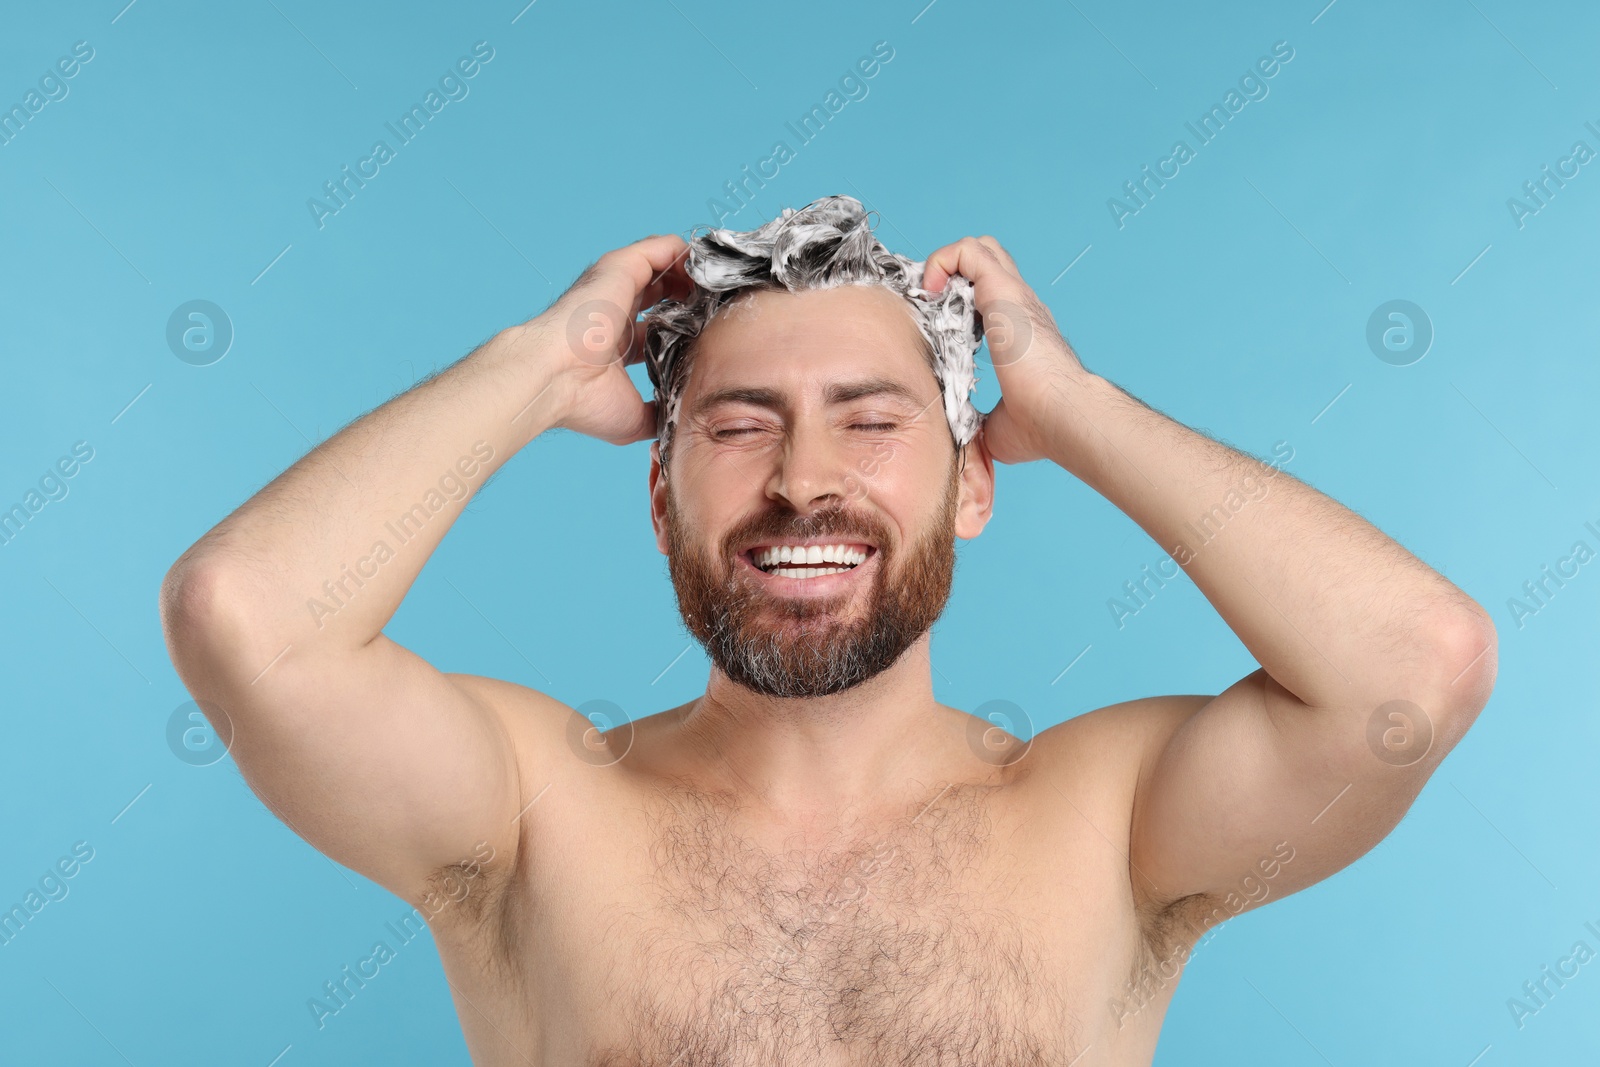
833, 391
847, 342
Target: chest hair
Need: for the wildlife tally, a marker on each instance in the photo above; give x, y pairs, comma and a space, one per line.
887, 945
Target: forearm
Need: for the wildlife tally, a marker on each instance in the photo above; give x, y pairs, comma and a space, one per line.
1333, 609
323, 555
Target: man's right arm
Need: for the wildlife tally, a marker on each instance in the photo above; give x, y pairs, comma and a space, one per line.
275, 617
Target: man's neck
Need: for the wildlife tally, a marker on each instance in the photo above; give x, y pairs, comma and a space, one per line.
866, 749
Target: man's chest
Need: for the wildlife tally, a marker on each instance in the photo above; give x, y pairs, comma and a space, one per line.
952, 938
835, 975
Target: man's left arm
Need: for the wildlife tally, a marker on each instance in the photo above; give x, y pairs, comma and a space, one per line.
1373, 664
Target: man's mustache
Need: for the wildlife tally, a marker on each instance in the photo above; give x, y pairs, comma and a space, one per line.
827, 524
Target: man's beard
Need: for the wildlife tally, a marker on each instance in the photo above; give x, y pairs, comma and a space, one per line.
799, 646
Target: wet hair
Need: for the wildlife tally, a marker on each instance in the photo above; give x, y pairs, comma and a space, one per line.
827, 243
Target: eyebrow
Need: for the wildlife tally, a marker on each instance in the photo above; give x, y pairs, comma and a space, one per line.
836, 393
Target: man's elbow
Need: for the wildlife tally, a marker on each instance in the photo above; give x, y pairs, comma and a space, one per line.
189, 594
196, 605
1466, 656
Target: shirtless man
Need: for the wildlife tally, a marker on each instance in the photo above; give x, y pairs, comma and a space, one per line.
816, 863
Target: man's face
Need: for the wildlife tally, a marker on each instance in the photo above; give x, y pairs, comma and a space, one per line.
813, 419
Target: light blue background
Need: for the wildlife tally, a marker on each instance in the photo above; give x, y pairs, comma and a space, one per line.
1377, 168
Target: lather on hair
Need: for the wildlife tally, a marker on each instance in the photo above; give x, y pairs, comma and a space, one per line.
827, 243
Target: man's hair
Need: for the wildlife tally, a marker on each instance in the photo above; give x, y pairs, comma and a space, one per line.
827, 243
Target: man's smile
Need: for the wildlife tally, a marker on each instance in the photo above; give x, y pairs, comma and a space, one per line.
809, 569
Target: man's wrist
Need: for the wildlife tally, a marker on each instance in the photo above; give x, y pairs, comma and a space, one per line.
1082, 400
521, 359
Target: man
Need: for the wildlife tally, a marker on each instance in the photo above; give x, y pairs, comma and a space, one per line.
812, 863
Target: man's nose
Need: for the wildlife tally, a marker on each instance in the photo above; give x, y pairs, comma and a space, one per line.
813, 470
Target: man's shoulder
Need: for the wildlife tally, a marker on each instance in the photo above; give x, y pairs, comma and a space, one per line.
1123, 735
547, 731
510, 698
1092, 768
1095, 763
536, 722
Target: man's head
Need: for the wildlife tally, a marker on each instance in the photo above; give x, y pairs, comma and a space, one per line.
825, 244
813, 417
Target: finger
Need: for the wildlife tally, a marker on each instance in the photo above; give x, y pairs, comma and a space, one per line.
635, 352
991, 280
1000, 253
661, 249
670, 281
667, 255
967, 257
644, 263
672, 285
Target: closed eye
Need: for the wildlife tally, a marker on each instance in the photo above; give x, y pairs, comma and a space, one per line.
755, 429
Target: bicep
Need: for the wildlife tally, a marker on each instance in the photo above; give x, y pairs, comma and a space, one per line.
1252, 794
380, 761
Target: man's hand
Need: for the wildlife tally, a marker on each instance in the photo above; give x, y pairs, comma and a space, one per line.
1033, 362
590, 338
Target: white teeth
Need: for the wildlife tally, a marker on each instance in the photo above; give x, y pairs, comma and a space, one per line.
841, 554
806, 572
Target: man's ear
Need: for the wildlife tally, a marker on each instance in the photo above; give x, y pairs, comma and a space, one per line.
976, 501
658, 497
